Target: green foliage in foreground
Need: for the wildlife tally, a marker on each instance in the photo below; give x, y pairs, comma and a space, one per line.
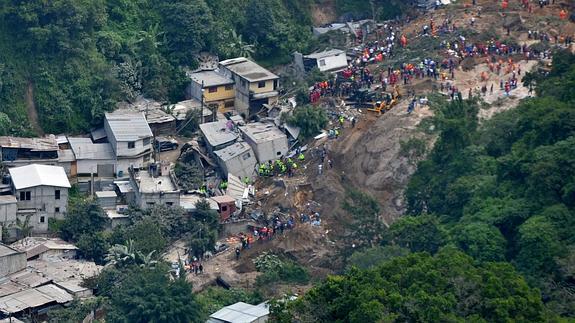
311, 120
446, 287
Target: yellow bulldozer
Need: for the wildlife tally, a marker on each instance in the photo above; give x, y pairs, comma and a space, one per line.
389, 102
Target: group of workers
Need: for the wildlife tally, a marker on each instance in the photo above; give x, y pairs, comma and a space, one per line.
281, 166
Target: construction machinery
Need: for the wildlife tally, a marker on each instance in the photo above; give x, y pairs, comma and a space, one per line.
389, 102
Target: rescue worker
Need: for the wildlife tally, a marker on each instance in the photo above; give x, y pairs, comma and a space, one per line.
223, 185
301, 157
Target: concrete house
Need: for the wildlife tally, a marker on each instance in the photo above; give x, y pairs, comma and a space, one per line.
267, 141
93, 158
254, 85
42, 193
218, 135
8, 210
214, 88
131, 139
16, 151
327, 61
238, 159
154, 186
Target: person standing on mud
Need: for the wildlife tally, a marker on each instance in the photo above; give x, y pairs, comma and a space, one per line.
237, 253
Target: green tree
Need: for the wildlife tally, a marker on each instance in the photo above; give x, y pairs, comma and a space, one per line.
367, 226
418, 233
311, 120
538, 246
148, 295
84, 217
372, 257
147, 236
93, 247
482, 241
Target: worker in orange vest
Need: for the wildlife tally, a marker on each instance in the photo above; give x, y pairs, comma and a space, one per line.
563, 14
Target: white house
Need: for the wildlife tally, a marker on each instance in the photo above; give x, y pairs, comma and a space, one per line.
130, 137
332, 60
42, 193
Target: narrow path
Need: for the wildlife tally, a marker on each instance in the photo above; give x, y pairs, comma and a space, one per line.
31, 109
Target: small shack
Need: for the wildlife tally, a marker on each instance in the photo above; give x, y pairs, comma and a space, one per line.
241, 312
238, 159
267, 141
226, 205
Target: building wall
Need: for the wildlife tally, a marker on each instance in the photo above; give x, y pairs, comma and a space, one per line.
110, 135
123, 164
242, 99
220, 94
332, 62
147, 200
268, 88
268, 150
12, 263
8, 213
43, 198
242, 165
87, 166
122, 149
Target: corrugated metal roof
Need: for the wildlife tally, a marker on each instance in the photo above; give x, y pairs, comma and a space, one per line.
217, 133
248, 69
7, 251
241, 312
47, 143
210, 78
98, 134
34, 297
262, 132
38, 175
188, 202
84, 148
128, 126
66, 155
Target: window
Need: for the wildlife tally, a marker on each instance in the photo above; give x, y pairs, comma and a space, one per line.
25, 196
56, 210
146, 141
244, 83
150, 203
224, 208
229, 104
213, 89
131, 144
57, 194
146, 157
279, 153
42, 219
322, 62
261, 84
229, 87
169, 203
246, 156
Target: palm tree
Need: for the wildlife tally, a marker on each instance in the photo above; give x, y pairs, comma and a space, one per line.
240, 48
120, 255
146, 261
24, 227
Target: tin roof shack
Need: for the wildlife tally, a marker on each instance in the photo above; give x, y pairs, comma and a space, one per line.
218, 135
332, 60
16, 151
214, 88
45, 248
154, 186
238, 159
11, 260
159, 119
42, 193
8, 211
226, 206
241, 312
130, 137
181, 110
93, 158
35, 300
267, 141
254, 85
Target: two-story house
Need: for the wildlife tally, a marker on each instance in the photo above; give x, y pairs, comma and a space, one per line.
41, 192
214, 88
131, 139
255, 86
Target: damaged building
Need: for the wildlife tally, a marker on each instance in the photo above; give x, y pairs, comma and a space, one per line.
267, 141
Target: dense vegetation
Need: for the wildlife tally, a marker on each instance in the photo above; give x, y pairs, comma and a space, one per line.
488, 231
80, 57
